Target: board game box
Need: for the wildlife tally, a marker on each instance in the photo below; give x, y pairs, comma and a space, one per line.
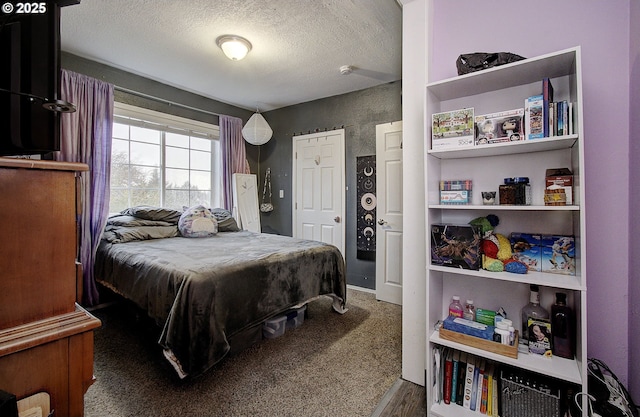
452, 129
558, 254
534, 117
456, 246
527, 248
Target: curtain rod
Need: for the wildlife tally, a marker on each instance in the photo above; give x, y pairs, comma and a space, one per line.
169, 102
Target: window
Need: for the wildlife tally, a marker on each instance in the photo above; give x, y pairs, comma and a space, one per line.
163, 160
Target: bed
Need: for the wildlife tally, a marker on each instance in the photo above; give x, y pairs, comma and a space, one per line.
209, 293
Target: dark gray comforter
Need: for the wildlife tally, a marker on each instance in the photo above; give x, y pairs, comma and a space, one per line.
202, 291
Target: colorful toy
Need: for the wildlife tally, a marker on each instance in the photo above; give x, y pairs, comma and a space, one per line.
496, 248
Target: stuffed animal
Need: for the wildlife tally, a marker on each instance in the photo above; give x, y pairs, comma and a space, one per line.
197, 221
496, 248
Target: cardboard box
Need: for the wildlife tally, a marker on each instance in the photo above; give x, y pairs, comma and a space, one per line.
534, 112
455, 197
558, 187
485, 316
456, 246
455, 191
452, 129
505, 126
539, 336
527, 248
558, 254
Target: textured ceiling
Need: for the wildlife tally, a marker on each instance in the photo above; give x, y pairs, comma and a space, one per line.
298, 45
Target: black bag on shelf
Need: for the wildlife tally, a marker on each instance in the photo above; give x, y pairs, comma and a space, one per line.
477, 61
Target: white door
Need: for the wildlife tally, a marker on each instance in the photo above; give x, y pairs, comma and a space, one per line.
319, 187
389, 212
245, 197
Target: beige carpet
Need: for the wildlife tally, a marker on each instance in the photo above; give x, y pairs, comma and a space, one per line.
333, 365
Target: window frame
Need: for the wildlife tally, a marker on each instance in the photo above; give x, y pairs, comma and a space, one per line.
167, 123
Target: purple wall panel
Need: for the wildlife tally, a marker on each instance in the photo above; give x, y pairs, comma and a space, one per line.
602, 29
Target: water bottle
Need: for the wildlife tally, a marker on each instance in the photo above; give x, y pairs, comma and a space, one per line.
455, 308
470, 311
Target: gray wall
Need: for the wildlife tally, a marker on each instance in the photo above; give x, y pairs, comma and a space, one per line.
358, 112
127, 80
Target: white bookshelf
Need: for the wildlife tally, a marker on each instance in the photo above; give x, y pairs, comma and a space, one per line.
498, 89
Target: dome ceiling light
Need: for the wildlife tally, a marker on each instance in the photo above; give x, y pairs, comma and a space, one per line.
234, 47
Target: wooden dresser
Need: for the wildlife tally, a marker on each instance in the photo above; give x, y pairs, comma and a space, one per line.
46, 338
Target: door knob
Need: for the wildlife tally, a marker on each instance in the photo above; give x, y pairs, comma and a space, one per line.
381, 221
336, 219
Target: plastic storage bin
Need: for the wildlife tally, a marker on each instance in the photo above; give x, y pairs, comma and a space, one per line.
274, 327
295, 318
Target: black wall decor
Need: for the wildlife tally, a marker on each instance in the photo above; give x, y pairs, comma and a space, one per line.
366, 201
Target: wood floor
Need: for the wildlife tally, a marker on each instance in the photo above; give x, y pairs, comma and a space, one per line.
404, 399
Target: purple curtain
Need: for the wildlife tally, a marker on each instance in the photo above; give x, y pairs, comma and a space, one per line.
85, 136
234, 156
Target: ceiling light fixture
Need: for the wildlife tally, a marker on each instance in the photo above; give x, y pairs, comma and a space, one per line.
234, 47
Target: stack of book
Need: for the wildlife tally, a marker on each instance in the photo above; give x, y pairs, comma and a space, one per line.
467, 380
545, 117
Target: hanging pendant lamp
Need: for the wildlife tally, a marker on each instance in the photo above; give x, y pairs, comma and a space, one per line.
257, 131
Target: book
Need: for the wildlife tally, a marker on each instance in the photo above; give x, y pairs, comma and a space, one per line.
571, 130
547, 97
468, 381
448, 377
490, 391
436, 375
462, 370
539, 336
560, 118
473, 403
565, 118
553, 125
480, 380
495, 393
534, 117
454, 376
484, 401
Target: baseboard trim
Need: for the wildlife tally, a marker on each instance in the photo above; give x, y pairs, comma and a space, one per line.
386, 398
355, 287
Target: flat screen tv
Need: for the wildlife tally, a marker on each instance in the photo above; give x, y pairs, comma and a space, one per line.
29, 66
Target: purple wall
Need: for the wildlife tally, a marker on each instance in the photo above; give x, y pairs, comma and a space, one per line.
602, 29
634, 203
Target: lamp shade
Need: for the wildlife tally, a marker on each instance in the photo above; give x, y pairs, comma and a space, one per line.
257, 131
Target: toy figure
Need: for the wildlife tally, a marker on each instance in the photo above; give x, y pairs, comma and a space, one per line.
488, 128
509, 126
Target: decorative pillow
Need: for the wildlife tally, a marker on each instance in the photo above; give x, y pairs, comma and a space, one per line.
228, 225
130, 221
122, 234
197, 221
153, 213
226, 222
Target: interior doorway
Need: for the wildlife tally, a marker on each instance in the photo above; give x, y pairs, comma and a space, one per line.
319, 187
389, 212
